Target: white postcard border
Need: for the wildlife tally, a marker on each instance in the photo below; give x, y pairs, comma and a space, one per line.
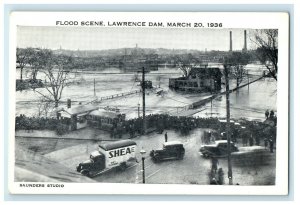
246, 20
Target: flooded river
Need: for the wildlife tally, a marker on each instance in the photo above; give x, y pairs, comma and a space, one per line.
248, 102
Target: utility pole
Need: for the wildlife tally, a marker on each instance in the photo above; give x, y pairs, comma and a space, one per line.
143, 152
248, 78
210, 98
94, 88
138, 110
144, 103
143, 166
228, 125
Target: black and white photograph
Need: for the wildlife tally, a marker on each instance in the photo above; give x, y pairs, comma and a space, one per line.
134, 101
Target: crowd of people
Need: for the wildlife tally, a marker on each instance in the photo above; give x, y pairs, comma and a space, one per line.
161, 122
249, 132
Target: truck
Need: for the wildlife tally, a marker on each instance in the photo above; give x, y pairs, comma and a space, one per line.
109, 155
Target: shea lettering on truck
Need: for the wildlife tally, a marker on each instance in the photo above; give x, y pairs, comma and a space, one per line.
121, 152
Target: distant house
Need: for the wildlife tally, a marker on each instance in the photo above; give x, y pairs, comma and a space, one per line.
75, 116
199, 79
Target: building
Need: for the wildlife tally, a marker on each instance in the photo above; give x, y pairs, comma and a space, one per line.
199, 79
106, 118
82, 116
75, 117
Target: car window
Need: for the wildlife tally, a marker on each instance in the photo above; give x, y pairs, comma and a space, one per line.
167, 147
222, 146
171, 147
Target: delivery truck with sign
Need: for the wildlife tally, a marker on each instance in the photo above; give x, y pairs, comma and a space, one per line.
110, 155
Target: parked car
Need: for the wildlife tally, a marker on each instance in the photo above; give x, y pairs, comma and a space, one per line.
170, 150
218, 149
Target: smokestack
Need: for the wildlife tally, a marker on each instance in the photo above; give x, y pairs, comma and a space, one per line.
245, 40
69, 103
230, 48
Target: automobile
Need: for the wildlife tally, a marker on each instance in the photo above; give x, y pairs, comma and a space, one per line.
170, 150
218, 149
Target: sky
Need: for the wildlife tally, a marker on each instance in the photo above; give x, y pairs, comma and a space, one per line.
74, 38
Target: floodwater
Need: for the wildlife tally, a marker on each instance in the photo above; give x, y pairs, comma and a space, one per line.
248, 102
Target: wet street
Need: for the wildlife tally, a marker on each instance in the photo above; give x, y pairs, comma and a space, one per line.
194, 169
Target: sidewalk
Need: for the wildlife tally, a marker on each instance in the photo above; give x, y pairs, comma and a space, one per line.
81, 134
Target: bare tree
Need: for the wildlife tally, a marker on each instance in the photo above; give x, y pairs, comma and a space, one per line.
23, 56
185, 63
44, 107
266, 41
239, 73
40, 59
236, 62
56, 70
57, 77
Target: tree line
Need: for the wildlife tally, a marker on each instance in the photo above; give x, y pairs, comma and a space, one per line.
54, 67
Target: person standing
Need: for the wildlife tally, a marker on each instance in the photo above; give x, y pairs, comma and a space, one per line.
272, 114
266, 143
214, 164
271, 145
221, 176
267, 114
209, 136
244, 139
166, 136
251, 141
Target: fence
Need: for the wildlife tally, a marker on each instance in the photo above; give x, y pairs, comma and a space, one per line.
100, 99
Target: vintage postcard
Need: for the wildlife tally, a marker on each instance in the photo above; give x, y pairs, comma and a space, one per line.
184, 103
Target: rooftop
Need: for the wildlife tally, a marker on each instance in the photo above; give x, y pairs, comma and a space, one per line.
105, 113
172, 143
117, 144
79, 109
221, 142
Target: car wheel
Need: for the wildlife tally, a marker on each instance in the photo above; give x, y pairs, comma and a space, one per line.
180, 156
156, 159
122, 166
85, 173
205, 155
